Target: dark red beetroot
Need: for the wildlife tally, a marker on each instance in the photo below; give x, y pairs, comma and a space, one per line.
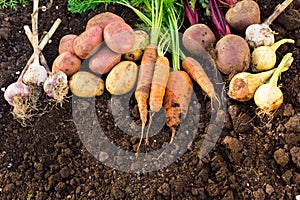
198, 38
232, 54
243, 14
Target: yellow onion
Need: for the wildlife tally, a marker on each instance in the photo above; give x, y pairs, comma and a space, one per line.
243, 85
268, 97
264, 57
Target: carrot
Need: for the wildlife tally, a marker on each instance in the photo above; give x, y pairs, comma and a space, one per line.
143, 87
158, 87
177, 98
196, 71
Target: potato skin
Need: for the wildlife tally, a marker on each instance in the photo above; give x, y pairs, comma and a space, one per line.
67, 62
86, 84
88, 42
243, 14
66, 43
197, 38
104, 60
102, 20
119, 37
141, 42
122, 78
232, 54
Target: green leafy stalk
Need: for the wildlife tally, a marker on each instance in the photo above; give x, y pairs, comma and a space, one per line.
284, 65
12, 4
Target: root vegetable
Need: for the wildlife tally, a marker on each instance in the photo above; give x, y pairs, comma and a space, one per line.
264, 57
232, 54
177, 98
198, 38
102, 20
196, 71
17, 89
104, 60
261, 34
243, 85
88, 42
119, 37
141, 42
268, 97
243, 14
122, 78
66, 43
86, 84
67, 62
36, 74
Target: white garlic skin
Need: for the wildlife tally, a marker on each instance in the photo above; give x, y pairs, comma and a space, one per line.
56, 85
15, 89
36, 74
259, 35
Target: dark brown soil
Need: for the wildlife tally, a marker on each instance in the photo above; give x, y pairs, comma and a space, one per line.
253, 158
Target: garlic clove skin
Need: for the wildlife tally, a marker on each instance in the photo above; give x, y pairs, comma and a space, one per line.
259, 35
15, 89
36, 74
56, 85
268, 97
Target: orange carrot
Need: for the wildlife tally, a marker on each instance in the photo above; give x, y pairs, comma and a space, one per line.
142, 92
196, 71
177, 98
159, 83
158, 87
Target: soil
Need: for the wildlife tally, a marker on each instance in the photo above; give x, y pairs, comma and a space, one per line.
253, 158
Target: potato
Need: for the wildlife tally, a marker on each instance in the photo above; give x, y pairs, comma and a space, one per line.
198, 38
232, 54
101, 20
67, 62
119, 37
243, 14
121, 79
141, 42
86, 84
104, 60
88, 42
66, 43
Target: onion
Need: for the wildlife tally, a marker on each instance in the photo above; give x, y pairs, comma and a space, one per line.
261, 34
264, 57
268, 97
243, 85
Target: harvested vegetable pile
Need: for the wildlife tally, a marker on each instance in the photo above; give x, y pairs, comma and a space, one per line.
90, 63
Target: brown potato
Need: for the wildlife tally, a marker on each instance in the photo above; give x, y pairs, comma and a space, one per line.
66, 43
243, 14
198, 38
67, 62
104, 60
102, 20
86, 84
119, 37
88, 42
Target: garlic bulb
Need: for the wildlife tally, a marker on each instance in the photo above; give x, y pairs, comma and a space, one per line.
56, 85
36, 74
15, 89
259, 35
